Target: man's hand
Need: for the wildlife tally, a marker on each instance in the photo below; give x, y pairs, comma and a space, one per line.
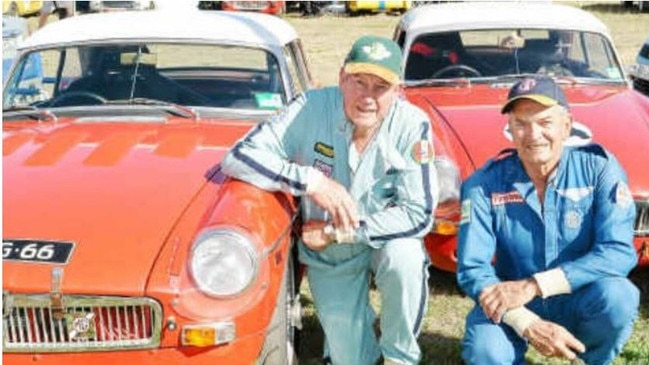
314, 236
552, 340
496, 299
334, 198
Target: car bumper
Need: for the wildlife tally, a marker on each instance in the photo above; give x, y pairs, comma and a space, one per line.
244, 351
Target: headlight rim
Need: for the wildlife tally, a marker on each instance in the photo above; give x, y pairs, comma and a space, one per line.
246, 241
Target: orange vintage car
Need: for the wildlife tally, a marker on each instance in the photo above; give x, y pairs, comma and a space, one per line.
460, 60
122, 240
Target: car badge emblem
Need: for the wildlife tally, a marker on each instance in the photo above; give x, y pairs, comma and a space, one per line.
56, 297
80, 325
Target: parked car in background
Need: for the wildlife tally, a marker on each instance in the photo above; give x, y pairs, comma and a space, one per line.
640, 5
14, 30
365, 7
639, 72
122, 240
267, 7
460, 61
22, 8
85, 7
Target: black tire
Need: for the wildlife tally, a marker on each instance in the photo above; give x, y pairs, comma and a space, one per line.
280, 345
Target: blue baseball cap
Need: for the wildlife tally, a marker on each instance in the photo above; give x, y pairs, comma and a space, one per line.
541, 89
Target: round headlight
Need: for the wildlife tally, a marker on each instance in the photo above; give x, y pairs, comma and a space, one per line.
223, 262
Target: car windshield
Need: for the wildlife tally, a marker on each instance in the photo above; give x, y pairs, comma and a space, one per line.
494, 53
104, 74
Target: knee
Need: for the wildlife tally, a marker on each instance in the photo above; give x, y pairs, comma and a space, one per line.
615, 300
402, 256
488, 349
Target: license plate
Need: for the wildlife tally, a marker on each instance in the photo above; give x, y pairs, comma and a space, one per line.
250, 4
50, 252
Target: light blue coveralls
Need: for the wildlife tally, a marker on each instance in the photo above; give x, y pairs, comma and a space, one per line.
396, 195
584, 227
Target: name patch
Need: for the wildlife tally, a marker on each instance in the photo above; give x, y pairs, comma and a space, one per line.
506, 198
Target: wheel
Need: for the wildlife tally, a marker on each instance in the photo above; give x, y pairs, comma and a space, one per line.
280, 344
457, 70
72, 98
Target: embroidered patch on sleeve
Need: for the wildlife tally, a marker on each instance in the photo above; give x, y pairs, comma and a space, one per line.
324, 149
623, 196
466, 211
423, 152
325, 168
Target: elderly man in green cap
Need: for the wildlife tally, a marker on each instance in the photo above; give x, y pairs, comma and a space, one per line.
361, 159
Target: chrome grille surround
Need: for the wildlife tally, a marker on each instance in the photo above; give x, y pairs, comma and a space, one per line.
30, 324
641, 225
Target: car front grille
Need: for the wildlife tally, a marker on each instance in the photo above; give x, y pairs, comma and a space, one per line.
641, 226
31, 323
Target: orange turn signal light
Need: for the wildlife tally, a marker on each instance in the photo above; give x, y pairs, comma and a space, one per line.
202, 335
445, 227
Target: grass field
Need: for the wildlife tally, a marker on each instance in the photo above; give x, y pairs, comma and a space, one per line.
326, 40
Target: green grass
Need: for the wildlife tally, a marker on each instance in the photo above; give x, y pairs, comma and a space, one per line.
444, 326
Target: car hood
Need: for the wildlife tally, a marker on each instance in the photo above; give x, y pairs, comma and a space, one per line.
114, 189
615, 117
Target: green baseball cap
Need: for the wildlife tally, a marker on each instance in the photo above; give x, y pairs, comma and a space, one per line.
377, 56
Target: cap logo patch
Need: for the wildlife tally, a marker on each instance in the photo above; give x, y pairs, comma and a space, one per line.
526, 85
376, 51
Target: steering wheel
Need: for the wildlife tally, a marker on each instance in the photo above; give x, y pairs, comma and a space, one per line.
71, 98
457, 69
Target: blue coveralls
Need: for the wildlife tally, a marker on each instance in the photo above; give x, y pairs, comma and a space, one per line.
396, 193
584, 227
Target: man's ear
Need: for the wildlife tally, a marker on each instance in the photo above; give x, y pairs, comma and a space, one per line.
568, 131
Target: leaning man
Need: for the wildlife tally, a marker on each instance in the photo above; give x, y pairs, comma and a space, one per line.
545, 242
360, 158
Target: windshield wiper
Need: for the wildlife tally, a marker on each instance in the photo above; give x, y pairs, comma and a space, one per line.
32, 112
439, 82
171, 108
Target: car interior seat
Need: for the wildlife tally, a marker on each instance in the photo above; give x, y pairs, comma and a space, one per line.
431, 53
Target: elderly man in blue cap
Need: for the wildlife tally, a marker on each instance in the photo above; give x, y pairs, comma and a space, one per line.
546, 242
360, 157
